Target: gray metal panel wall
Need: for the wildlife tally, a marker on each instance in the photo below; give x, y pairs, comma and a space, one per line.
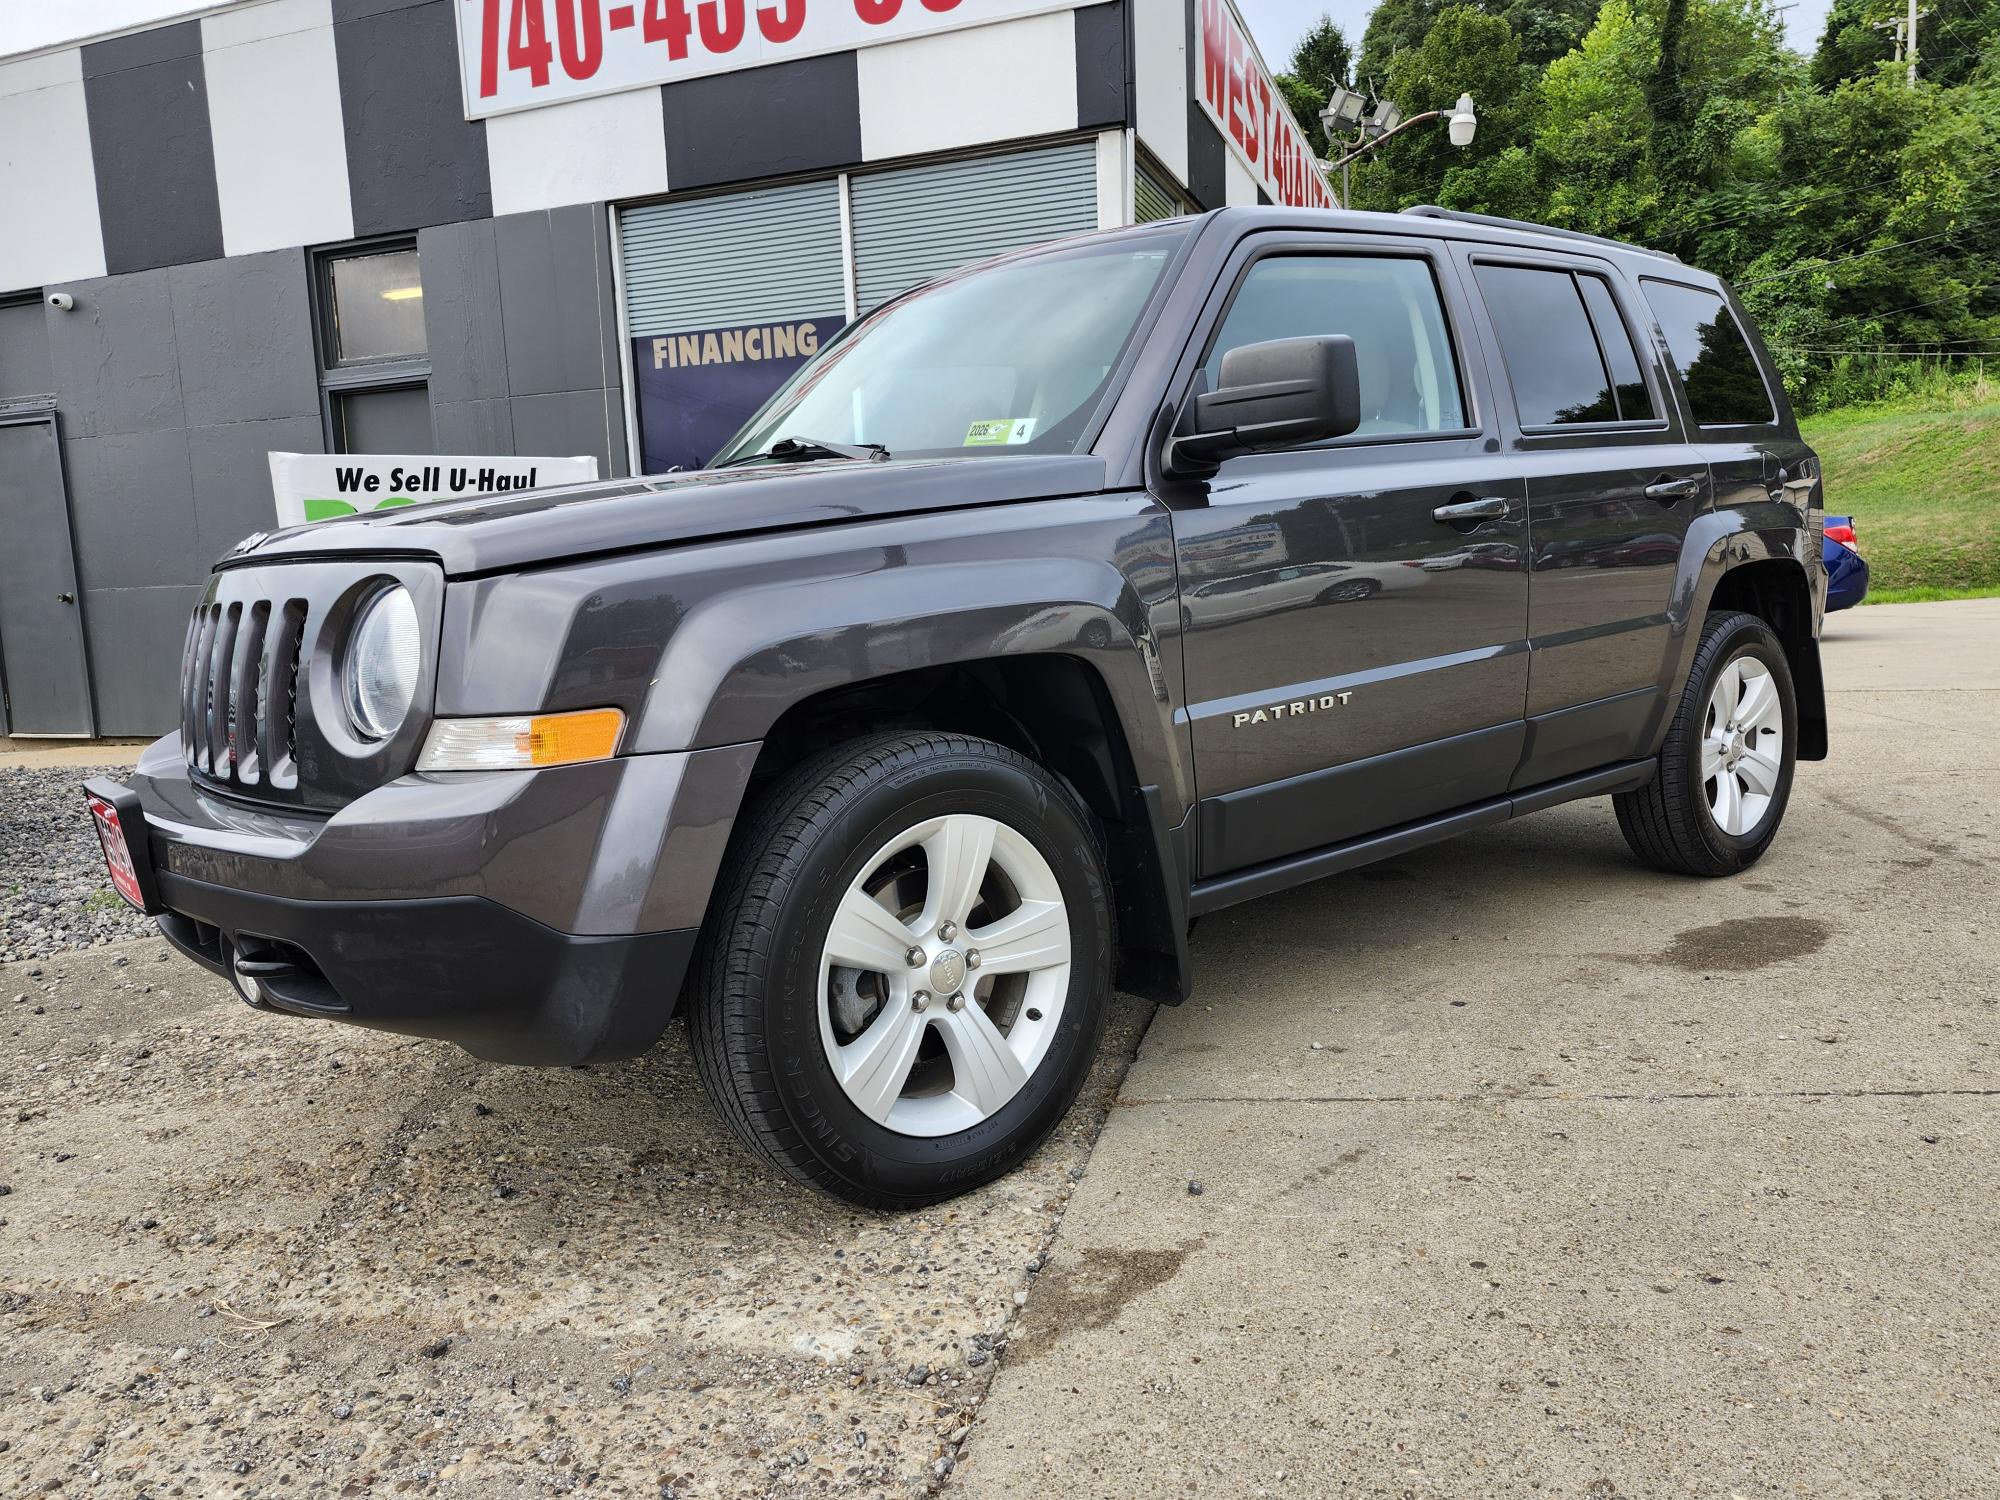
521, 318
716, 262
173, 386
918, 222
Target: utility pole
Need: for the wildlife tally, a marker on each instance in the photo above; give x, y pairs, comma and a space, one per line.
1905, 31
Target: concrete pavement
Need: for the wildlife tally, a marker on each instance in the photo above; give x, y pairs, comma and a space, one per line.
1525, 1171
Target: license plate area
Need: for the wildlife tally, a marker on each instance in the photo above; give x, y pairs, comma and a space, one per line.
121, 833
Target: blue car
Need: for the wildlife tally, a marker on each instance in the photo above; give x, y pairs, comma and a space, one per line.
1846, 569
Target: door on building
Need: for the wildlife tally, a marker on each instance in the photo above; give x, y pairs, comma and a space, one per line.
41, 616
1356, 611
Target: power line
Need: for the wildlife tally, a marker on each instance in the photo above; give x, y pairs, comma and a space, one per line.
1819, 265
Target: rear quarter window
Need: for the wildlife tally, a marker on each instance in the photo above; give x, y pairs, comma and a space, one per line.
1717, 369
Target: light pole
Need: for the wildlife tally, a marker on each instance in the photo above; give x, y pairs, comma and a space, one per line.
1344, 108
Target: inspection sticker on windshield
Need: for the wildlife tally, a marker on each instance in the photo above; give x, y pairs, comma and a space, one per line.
1006, 430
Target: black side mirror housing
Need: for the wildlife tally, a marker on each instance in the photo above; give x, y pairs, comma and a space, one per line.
1283, 393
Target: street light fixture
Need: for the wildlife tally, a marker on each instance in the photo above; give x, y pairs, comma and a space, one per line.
1463, 121
1344, 109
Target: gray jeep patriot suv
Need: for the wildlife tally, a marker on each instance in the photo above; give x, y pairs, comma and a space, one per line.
1053, 604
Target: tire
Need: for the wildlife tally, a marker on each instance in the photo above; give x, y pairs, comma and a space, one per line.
1684, 820
777, 1023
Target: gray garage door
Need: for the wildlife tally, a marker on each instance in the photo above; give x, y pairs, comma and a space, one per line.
915, 222
739, 258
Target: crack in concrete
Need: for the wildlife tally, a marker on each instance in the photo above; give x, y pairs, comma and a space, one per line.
1490, 1098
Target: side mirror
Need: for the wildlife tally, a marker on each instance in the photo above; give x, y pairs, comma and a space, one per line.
1279, 394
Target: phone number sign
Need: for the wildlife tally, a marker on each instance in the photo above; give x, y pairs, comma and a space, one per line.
517, 54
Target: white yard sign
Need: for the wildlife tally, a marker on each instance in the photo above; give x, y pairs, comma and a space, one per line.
516, 54
320, 486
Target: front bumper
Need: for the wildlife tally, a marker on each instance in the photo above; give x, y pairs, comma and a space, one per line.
529, 916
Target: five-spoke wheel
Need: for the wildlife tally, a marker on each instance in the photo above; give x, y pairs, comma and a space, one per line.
1725, 767
906, 969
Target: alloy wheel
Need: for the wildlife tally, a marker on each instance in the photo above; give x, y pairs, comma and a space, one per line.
944, 974
1742, 746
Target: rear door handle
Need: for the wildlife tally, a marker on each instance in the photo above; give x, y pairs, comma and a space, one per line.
1667, 491
1486, 508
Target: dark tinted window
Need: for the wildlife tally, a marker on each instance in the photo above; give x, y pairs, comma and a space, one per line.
1724, 386
1635, 403
1389, 307
1545, 338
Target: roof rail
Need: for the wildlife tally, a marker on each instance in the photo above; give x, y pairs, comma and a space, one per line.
1494, 221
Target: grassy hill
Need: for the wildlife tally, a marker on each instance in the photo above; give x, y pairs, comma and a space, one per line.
1922, 479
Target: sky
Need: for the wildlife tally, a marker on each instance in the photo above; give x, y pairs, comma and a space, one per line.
1277, 25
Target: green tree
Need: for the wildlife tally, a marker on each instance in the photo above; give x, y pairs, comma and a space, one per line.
1465, 51
1319, 61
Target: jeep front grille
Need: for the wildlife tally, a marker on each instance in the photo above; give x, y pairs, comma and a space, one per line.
239, 691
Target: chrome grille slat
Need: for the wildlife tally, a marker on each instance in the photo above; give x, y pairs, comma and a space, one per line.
220, 760
245, 698
239, 691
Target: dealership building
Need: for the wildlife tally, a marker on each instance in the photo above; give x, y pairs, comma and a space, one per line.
505, 227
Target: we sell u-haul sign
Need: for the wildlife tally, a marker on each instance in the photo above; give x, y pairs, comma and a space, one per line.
1237, 93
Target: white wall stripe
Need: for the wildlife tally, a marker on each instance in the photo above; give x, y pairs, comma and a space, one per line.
274, 116
915, 96
1160, 77
48, 182
1114, 180
585, 151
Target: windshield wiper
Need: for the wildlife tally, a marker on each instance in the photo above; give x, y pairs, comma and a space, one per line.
802, 449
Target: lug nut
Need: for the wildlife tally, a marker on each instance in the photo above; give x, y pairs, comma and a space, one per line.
972, 958
920, 999
914, 957
947, 930
956, 1002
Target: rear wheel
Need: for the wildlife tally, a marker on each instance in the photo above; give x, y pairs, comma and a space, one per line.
907, 972
1726, 767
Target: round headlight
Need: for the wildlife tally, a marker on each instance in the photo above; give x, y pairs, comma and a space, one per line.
383, 655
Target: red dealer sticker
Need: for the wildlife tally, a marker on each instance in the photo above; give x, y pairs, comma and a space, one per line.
516, 54
1239, 96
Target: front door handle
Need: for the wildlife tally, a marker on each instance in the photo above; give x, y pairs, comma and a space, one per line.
1459, 512
1668, 491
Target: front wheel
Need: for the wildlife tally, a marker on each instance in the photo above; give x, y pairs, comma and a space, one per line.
1725, 769
907, 971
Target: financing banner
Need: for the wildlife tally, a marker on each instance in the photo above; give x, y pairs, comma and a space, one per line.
696, 389
320, 486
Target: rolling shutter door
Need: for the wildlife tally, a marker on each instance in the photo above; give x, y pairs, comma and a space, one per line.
1151, 199
918, 222
741, 258
724, 298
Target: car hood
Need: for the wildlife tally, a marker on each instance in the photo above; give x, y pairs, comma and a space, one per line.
498, 533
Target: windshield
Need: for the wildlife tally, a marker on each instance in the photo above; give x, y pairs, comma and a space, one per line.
1007, 360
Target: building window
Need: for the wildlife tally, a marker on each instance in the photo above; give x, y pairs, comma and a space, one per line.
374, 354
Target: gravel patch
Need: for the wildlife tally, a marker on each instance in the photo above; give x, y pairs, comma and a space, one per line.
54, 894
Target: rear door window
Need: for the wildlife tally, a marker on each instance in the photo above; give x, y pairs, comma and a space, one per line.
1621, 356
1553, 362
1724, 386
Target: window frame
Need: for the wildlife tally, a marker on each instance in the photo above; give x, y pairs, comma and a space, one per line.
359, 377
1721, 294
1637, 429
1254, 250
